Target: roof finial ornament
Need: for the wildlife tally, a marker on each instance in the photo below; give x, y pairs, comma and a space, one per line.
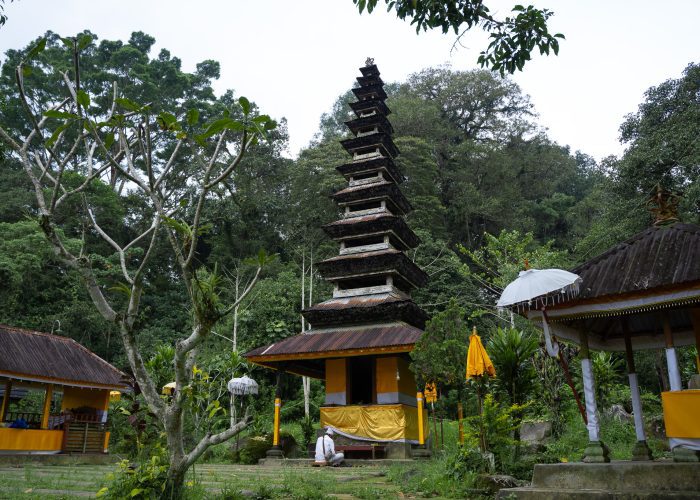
663, 205
369, 61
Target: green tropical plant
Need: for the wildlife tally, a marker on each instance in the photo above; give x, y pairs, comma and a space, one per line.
512, 352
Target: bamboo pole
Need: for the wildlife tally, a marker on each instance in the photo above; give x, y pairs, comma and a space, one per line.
460, 415
421, 433
276, 430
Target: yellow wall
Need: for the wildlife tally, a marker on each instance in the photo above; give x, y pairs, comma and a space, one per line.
336, 375
407, 384
30, 440
386, 375
75, 397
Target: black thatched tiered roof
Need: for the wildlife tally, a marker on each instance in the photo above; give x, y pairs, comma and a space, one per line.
371, 310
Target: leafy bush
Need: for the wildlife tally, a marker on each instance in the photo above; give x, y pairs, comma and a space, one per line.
256, 447
465, 461
498, 422
229, 493
146, 480
435, 478
308, 431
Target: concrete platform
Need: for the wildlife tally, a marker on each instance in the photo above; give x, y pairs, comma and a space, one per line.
354, 462
615, 480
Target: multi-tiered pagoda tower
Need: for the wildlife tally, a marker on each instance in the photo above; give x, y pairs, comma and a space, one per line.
360, 339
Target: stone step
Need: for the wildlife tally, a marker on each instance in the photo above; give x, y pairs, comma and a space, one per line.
618, 476
353, 462
532, 493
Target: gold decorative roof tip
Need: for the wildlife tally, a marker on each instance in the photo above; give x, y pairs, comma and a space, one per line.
663, 205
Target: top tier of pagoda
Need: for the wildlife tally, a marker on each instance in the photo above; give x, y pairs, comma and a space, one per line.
372, 277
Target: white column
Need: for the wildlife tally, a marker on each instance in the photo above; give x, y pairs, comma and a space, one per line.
674, 374
637, 407
591, 406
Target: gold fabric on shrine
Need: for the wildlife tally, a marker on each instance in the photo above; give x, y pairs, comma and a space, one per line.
681, 410
381, 423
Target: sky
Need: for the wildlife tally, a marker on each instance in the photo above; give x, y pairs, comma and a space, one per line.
295, 57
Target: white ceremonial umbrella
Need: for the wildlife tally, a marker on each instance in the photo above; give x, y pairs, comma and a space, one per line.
534, 289
240, 386
537, 288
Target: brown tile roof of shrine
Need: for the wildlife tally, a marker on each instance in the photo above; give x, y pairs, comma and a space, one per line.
338, 341
659, 257
51, 357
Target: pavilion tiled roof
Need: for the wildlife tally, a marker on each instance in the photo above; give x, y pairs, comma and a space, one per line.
660, 257
37, 355
340, 340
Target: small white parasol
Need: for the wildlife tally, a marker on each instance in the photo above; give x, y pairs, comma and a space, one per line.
240, 386
534, 289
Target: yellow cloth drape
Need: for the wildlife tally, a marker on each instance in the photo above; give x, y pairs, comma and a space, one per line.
375, 423
478, 361
681, 411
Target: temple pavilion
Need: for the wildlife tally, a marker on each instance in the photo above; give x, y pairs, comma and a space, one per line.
54, 394
643, 293
360, 338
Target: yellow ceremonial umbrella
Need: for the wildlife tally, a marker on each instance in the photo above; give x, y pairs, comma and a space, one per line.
478, 361
478, 364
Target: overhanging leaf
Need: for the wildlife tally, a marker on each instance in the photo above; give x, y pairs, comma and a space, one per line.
83, 99
245, 104
36, 50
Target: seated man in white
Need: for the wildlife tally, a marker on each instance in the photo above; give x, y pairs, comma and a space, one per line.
325, 450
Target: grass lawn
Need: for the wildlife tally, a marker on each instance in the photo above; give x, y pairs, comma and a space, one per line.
82, 481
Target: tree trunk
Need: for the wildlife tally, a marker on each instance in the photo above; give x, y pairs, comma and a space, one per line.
175, 483
661, 371
305, 381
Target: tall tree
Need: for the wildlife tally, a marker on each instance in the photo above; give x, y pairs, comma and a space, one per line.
73, 141
663, 139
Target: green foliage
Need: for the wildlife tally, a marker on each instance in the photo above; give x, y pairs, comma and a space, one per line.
662, 138
467, 461
513, 39
498, 422
500, 260
308, 431
608, 371
440, 353
512, 352
437, 477
552, 391
303, 487
146, 480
